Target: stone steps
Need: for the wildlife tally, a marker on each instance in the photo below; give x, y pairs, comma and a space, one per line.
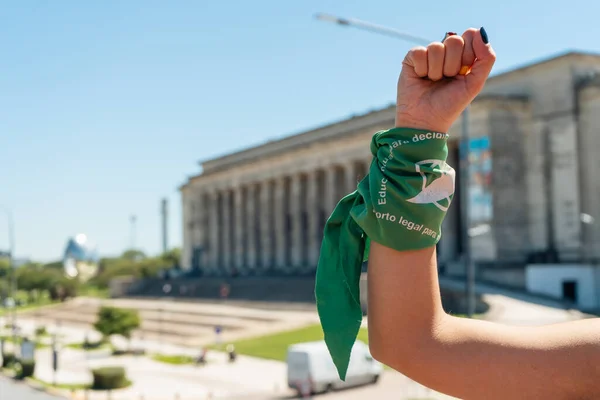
155, 317
180, 323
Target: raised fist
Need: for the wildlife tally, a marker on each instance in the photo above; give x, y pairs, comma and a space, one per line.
439, 81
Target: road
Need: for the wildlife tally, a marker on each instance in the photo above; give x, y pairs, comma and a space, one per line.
392, 385
10, 390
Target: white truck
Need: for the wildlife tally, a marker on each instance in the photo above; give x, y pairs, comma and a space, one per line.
310, 368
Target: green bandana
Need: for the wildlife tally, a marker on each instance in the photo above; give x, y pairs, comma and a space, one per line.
400, 204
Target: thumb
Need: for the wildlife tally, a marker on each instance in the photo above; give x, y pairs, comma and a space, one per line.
485, 56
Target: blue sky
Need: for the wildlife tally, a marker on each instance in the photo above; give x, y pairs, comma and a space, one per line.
107, 106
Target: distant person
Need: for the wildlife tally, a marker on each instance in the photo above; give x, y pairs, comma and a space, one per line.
202, 358
231, 352
401, 215
224, 291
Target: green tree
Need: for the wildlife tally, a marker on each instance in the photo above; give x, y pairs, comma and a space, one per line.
4, 267
110, 268
117, 321
4, 289
36, 278
64, 288
55, 265
172, 257
133, 255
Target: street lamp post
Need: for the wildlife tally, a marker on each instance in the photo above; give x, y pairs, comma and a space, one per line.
133, 221
11, 255
384, 30
463, 151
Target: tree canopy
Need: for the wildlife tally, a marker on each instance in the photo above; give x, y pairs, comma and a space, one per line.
117, 321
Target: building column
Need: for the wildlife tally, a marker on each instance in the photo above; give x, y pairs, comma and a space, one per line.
266, 226
205, 225
280, 217
330, 190
365, 167
213, 231
200, 228
313, 214
250, 211
238, 227
296, 220
186, 254
226, 231
350, 178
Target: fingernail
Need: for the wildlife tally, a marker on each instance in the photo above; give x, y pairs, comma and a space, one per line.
484, 35
448, 34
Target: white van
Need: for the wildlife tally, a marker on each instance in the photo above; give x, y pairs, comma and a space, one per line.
311, 369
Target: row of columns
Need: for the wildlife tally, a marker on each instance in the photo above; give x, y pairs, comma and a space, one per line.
269, 227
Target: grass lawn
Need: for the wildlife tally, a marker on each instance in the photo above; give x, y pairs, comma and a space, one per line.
91, 346
38, 344
173, 359
275, 346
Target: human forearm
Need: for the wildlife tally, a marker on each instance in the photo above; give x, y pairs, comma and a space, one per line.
470, 359
483, 360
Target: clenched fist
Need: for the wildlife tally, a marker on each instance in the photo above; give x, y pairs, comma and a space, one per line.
439, 81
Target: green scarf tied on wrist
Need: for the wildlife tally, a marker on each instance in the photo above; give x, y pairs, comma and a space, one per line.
400, 204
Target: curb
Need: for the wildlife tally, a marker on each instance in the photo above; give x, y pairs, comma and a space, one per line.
45, 389
37, 386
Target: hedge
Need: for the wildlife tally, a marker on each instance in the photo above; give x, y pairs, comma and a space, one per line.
8, 360
27, 368
106, 378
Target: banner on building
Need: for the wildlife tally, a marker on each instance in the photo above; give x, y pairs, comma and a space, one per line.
483, 246
480, 181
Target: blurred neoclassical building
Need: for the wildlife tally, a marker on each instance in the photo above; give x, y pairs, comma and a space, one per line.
534, 159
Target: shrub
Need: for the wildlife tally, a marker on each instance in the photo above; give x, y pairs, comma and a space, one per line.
106, 378
117, 321
41, 331
87, 345
8, 360
25, 369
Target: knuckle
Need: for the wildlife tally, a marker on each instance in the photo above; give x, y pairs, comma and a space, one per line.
436, 47
418, 51
454, 41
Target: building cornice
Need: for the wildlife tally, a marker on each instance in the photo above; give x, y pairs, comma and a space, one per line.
327, 132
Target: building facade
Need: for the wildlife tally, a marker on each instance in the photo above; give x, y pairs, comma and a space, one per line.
533, 191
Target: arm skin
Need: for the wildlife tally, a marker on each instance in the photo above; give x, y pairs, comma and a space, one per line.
471, 359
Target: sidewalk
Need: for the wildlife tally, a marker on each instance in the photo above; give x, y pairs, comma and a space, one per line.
158, 381
485, 288
154, 380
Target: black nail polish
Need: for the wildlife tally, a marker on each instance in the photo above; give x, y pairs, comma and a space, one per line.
484, 35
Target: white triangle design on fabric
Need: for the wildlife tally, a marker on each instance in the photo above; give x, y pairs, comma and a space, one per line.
441, 188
